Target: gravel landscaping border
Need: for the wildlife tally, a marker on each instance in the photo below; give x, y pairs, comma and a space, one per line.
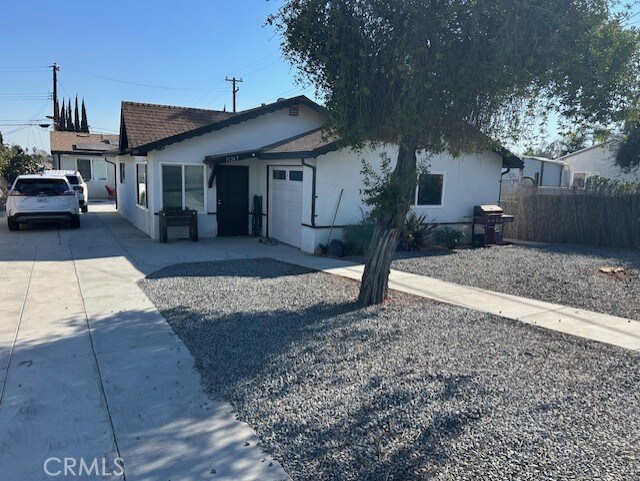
409, 390
561, 274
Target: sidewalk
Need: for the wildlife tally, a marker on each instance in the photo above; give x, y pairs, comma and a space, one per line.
591, 325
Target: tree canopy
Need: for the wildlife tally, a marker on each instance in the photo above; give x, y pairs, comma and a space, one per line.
15, 161
439, 72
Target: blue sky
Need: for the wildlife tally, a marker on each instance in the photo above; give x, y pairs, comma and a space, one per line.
187, 47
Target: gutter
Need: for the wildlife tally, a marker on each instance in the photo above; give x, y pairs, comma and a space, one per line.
115, 174
500, 188
313, 191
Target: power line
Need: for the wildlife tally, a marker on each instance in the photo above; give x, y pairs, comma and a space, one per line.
5, 67
102, 130
233, 73
127, 82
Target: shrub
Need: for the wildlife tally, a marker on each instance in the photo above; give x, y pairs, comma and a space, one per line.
415, 233
357, 237
449, 237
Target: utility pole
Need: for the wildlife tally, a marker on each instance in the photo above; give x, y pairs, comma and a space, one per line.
55, 96
235, 90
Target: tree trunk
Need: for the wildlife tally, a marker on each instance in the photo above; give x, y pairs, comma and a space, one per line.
375, 280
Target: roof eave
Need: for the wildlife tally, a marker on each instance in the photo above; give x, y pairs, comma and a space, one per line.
236, 119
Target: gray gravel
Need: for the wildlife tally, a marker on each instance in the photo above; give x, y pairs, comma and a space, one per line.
409, 390
567, 275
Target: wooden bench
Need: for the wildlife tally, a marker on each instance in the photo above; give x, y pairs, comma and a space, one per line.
178, 218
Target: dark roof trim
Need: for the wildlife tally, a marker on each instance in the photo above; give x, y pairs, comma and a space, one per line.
231, 157
308, 154
92, 153
241, 117
509, 159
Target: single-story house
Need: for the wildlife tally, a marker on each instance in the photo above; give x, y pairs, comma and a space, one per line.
598, 160
91, 154
536, 172
218, 162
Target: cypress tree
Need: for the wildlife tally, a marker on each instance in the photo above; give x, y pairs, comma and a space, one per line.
63, 118
76, 117
84, 125
70, 126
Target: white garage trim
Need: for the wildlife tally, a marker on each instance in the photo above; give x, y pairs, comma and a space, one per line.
285, 204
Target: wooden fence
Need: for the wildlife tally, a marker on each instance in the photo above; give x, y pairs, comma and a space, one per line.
575, 218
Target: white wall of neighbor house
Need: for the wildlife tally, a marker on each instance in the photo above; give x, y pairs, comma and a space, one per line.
596, 160
97, 172
547, 173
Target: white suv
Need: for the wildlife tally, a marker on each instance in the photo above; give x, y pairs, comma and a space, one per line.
42, 198
77, 183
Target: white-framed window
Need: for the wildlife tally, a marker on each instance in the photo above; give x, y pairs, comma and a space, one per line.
183, 187
92, 169
141, 185
430, 189
579, 179
122, 172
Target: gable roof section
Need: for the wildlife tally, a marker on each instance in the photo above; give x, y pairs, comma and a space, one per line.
81, 143
308, 145
142, 124
141, 139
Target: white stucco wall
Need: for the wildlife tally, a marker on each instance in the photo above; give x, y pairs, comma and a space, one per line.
96, 186
127, 195
468, 180
597, 160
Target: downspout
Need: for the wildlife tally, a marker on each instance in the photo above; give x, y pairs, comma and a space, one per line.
500, 188
115, 174
313, 191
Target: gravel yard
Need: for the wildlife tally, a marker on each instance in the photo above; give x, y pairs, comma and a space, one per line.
560, 274
410, 390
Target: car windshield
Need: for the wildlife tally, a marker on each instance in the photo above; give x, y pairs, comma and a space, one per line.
73, 179
41, 186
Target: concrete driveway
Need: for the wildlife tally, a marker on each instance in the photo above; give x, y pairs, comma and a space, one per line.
93, 381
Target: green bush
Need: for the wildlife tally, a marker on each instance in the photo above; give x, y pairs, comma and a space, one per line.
415, 233
357, 237
448, 237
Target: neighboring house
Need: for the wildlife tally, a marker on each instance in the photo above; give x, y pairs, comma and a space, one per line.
596, 160
91, 154
216, 162
538, 172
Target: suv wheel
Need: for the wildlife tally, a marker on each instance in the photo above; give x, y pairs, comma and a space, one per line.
12, 225
75, 222
85, 208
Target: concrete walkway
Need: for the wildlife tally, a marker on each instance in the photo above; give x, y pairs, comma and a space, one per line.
591, 325
90, 370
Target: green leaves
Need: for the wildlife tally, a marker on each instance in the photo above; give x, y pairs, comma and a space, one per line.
404, 69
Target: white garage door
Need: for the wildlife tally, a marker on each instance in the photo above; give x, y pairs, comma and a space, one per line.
285, 205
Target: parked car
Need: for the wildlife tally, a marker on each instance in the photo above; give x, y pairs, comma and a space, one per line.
42, 198
77, 183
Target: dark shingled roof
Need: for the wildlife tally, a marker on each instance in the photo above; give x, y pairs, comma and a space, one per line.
73, 142
142, 124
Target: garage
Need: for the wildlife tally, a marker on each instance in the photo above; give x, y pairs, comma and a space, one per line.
285, 205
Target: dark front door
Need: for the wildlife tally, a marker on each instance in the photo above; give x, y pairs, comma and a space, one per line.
232, 185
